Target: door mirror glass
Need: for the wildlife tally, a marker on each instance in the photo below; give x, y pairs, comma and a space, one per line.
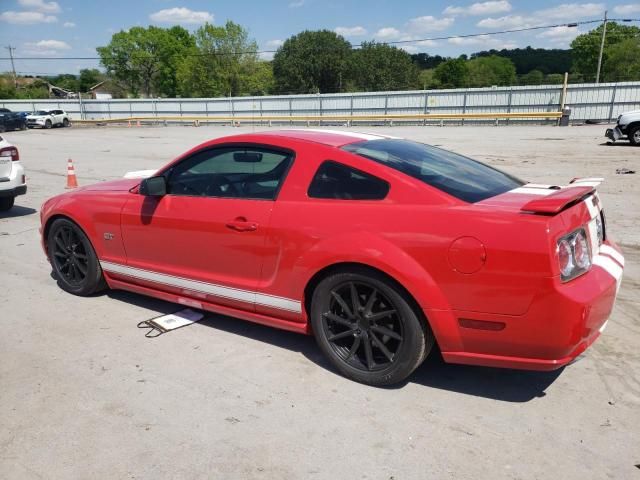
153, 187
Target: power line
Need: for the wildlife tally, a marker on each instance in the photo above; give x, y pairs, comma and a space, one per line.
396, 42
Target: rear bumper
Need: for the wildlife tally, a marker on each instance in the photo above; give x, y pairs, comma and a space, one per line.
563, 320
14, 192
15, 184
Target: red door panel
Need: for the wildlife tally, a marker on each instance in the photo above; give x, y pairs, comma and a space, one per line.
202, 247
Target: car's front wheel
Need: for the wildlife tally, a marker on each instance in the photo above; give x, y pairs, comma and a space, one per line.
48, 124
73, 259
368, 328
6, 203
65, 122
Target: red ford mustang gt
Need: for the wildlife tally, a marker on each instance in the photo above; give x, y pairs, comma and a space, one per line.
378, 246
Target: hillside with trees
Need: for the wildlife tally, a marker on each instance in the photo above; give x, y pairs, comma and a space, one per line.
215, 61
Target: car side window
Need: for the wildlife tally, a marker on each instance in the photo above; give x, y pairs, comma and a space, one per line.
338, 181
234, 172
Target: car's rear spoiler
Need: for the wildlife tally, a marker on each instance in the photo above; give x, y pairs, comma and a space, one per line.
558, 201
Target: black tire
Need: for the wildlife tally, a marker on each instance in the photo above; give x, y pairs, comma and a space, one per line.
6, 203
3, 128
398, 341
65, 122
634, 135
73, 259
48, 124
23, 126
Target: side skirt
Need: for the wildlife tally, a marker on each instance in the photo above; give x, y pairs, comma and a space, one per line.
211, 307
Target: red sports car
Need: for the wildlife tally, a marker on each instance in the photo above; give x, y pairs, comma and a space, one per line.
378, 246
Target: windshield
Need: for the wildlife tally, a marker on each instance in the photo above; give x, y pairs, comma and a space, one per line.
41, 112
459, 176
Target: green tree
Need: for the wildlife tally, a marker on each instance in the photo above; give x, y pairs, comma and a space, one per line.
452, 73
586, 47
146, 59
312, 61
623, 61
66, 81
534, 77
492, 70
90, 77
427, 80
259, 80
225, 61
376, 67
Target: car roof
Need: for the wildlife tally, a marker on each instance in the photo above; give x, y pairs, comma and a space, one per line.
333, 138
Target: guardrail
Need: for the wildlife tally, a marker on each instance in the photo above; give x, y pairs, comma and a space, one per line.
236, 119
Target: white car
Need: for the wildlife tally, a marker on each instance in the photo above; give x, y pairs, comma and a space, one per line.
628, 125
13, 181
48, 119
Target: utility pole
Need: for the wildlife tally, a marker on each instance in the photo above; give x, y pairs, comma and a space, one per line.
13, 67
604, 33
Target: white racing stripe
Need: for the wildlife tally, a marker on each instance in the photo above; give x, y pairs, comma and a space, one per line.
613, 253
363, 136
533, 190
611, 267
246, 296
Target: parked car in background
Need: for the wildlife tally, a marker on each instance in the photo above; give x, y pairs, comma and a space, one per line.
11, 120
628, 125
378, 246
48, 119
12, 178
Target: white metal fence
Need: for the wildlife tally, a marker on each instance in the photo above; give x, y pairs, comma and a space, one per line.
602, 102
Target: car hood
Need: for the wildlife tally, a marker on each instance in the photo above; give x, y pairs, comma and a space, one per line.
122, 185
37, 117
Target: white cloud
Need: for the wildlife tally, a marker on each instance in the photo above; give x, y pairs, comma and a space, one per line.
181, 15
480, 8
486, 41
560, 36
351, 31
571, 11
387, 33
40, 6
68, 24
46, 47
429, 23
26, 18
627, 9
274, 43
508, 21
296, 3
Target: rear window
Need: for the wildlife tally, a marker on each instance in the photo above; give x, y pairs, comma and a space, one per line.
459, 176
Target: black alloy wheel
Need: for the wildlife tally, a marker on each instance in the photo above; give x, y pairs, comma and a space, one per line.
73, 259
368, 328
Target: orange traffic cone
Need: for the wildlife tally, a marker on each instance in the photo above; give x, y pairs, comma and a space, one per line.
72, 181
138, 123
129, 123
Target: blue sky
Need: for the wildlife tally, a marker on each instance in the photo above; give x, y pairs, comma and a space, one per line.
73, 28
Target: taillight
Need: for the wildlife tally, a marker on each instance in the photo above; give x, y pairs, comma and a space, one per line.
574, 255
10, 152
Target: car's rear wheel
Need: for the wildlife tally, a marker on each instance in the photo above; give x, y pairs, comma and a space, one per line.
6, 203
3, 128
367, 327
634, 135
73, 259
65, 122
48, 124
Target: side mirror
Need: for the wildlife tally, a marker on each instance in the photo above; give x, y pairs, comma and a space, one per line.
153, 186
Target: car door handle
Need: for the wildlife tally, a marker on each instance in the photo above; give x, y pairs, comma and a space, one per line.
241, 224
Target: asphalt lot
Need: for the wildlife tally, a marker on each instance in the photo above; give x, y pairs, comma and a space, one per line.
83, 393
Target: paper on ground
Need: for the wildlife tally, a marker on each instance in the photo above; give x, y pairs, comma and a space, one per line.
178, 319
